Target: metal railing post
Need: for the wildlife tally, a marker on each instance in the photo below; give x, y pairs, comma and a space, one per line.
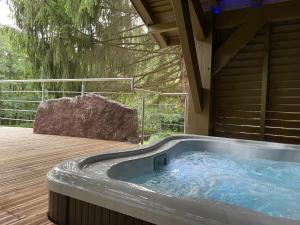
132, 85
143, 119
0, 105
43, 91
185, 114
82, 88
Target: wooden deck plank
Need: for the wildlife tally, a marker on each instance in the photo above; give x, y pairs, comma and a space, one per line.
25, 159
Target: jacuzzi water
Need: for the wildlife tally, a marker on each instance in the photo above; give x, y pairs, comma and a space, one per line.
266, 186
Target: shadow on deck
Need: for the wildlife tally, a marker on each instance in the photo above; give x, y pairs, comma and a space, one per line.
24, 162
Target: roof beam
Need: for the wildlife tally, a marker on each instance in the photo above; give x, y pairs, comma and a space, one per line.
173, 41
213, 3
198, 19
141, 8
270, 12
236, 42
161, 39
162, 27
184, 24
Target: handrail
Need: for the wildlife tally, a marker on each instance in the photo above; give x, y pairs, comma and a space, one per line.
18, 110
13, 119
43, 91
21, 91
160, 93
81, 80
172, 94
21, 101
64, 80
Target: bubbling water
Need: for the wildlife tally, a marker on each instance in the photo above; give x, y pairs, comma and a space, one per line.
266, 186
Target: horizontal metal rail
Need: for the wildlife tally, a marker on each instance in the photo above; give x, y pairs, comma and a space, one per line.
147, 91
21, 91
82, 81
18, 110
25, 120
70, 92
92, 92
160, 93
174, 94
20, 101
110, 92
64, 80
44, 94
175, 125
166, 114
163, 104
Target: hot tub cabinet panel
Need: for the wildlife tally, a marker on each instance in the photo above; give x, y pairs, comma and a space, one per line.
65, 210
94, 190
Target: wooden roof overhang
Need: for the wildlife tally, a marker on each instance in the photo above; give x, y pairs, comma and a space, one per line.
174, 22
159, 17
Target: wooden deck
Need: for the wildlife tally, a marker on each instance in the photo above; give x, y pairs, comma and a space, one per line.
24, 162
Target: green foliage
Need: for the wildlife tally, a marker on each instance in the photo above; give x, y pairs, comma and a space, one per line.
14, 64
161, 112
88, 38
158, 136
93, 38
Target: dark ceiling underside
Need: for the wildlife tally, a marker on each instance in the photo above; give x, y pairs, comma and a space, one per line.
158, 15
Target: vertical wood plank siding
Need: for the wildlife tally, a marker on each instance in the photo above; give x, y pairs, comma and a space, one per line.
262, 69
64, 210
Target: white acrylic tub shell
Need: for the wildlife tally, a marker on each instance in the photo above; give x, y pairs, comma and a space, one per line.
98, 180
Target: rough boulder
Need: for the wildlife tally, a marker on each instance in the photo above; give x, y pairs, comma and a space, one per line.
88, 116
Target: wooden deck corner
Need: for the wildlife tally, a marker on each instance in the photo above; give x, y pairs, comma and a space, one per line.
24, 162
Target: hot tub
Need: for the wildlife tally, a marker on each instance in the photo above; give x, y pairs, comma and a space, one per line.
181, 180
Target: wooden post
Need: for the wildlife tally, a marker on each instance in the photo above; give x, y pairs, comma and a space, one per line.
184, 23
199, 123
264, 88
198, 19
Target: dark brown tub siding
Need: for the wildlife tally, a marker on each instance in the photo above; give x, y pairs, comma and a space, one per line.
64, 210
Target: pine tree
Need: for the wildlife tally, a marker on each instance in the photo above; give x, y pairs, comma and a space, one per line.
94, 38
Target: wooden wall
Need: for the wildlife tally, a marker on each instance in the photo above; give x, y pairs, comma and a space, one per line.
257, 94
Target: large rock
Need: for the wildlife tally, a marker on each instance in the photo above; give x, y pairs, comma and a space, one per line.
89, 116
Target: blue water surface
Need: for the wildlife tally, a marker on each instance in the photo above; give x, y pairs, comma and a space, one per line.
266, 186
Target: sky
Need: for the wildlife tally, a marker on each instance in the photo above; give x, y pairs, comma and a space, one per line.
5, 14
